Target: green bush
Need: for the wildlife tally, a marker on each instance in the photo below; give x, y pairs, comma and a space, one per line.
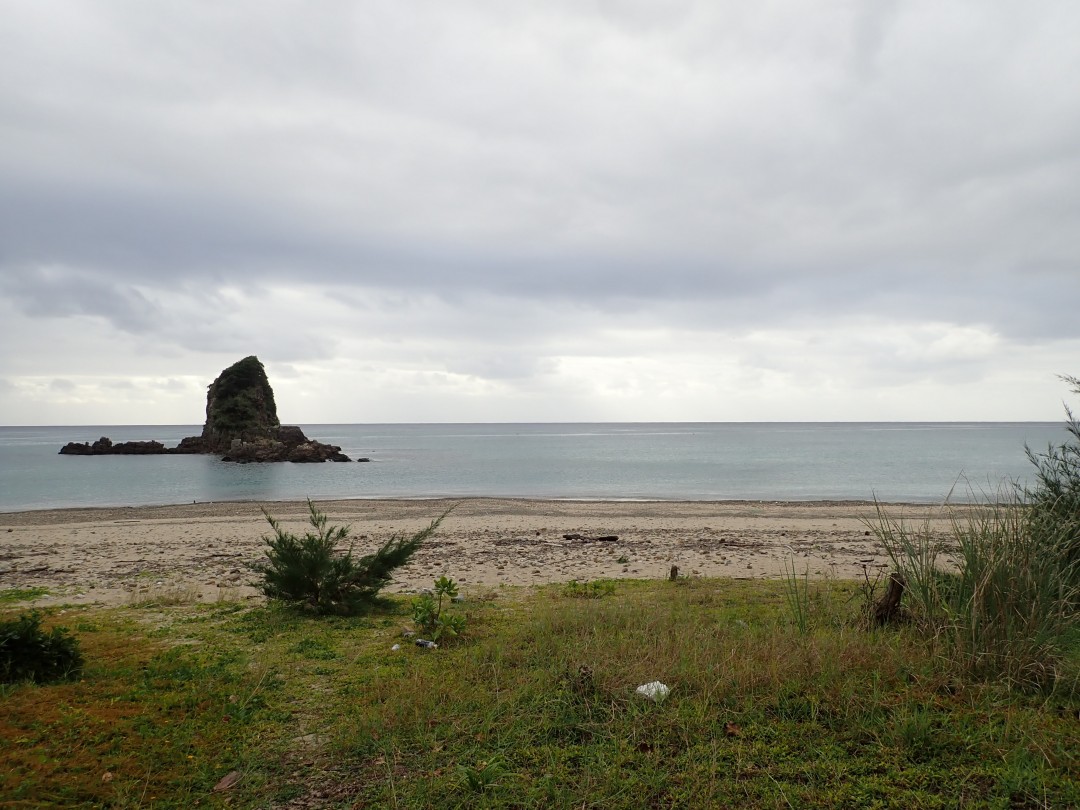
28, 653
309, 573
1054, 500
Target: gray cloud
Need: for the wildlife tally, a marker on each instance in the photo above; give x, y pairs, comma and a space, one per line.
58, 292
487, 188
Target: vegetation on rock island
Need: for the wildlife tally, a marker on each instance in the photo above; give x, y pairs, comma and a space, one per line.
240, 403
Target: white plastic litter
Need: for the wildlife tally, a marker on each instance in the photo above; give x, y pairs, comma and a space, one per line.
654, 691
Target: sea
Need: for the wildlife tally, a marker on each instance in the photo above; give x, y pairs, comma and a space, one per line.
912, 462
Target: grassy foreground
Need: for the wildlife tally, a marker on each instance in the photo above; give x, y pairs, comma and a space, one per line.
770, 706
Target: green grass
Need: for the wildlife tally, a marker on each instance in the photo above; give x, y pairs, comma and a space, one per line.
535, 707
10, 595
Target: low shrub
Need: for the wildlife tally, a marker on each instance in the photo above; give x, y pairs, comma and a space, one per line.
29, 653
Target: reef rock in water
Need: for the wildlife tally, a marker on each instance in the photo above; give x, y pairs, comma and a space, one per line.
105, 447
241, 425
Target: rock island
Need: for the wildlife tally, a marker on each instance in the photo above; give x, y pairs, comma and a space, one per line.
241, 425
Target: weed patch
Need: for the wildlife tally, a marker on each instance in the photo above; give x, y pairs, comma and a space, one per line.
593, 589
428, 612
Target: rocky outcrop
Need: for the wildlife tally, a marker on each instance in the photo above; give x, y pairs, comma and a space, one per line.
240, 406
105, 447
241, 425
288, 444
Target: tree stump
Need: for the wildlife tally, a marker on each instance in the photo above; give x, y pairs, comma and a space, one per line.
887, 609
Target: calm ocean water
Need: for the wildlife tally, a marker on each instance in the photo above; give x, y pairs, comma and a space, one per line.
914, 462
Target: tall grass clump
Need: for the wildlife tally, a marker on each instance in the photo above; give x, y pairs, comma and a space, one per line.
797, 595
1001, 587
996, 596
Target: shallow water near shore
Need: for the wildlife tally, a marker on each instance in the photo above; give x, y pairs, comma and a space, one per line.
911, 462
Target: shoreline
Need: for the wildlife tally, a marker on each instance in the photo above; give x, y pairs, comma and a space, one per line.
203, 551
26, 516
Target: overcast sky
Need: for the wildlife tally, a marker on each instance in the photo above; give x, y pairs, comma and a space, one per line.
490, 210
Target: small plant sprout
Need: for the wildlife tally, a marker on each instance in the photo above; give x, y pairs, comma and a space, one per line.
428, 611
484, 776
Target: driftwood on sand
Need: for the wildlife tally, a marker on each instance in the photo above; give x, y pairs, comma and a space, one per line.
606, 538
887, 610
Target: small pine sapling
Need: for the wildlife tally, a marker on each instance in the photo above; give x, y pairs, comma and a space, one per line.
309, 573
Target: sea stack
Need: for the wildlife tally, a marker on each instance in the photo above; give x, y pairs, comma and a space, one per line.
240, 409
240, 404
242, 425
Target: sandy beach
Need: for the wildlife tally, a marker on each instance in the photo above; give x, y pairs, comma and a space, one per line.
113, 556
